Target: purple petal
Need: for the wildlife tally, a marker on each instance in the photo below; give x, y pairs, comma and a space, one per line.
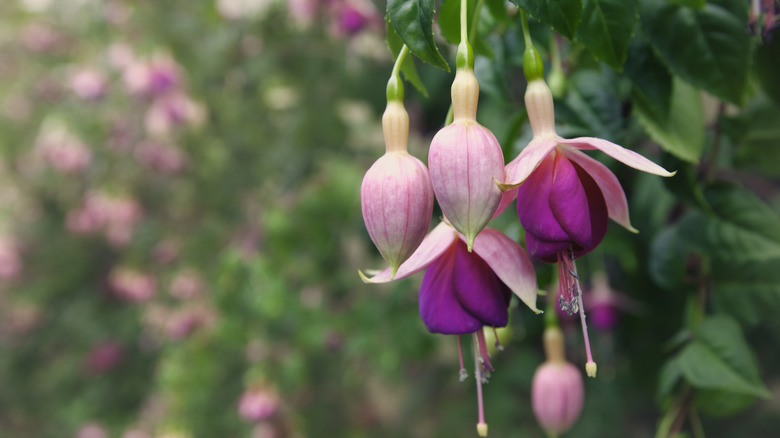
440, 309
509, 262
529, 159
433, 246
568, 202
533, 203
599, 219
478, 289
615, 197
545, 250
625, 156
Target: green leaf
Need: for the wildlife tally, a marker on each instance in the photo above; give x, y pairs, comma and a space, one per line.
680, 130
766, 66
719, 358
592, 106
748, 291
413, 21
667, 259
562, 15
652, 81
759, 145
741, 229
408, 69
498, 10
668, 377
708, 47
721, 403
607, 27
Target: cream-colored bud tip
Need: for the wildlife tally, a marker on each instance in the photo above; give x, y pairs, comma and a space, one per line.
482, 429
591, 369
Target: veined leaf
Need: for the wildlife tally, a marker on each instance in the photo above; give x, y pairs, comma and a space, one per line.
413, 21
708, 47
562, 15
680, 130
606, 28
749, 291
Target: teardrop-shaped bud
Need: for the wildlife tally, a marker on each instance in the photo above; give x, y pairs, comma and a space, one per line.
465, 161
397, 203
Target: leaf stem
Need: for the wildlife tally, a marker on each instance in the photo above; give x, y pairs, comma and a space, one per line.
526, 32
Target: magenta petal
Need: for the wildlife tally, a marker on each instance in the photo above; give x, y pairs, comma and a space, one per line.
615, 197
440, 309
478, 288
568, 201
533, 203
545, 250
625, 156
599, 219
432, 246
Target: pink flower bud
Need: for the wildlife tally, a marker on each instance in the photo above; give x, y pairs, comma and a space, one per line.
465, 161
557, 391
132, 285
396, 194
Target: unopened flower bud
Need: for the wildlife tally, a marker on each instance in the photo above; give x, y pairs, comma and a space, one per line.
466, 160
396, 194
557, 391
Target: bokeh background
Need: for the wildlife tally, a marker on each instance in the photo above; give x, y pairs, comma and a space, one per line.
180, 234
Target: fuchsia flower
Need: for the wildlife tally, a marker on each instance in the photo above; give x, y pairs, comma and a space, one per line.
463, 291
396, 194
557, 392
564, 196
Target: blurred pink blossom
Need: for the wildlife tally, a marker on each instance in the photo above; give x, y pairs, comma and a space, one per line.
88, 83
10, 261
41, 37
62, 150
235, 9
120, 55
182, 322
92, 430
165, 252
103, 357
160, 157
156, 76
115, 216
172, 110
258, 404
303, 12
186, 284
136, 433
131, 285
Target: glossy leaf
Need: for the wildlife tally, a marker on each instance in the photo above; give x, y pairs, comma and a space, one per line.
592, 107
413, 21
652, 82
606, 28
708, 47
719, 358
748, 291
766, 65
680, 129
562, 15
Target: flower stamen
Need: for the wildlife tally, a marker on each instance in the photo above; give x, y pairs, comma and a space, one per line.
463, 374
482, 427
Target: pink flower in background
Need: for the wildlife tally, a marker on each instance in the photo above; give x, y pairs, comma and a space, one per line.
182, 322
88, 83
258, 404
186, 285
114, 216
303, 12
131, 285
10, 260
155, 76
173, 110
605, 304
62, 150
92, 430
103, 357
159, 156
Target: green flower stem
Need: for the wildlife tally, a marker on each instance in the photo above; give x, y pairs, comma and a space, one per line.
465, 55
526, 32
464, 33
474, 20
395, 86
550, 315
533, 68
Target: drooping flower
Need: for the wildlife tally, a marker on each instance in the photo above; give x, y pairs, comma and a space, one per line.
557, 392
396, 194
465, 160
565, 196
463, 291
605, 304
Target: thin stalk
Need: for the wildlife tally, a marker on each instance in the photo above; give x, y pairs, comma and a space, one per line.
464, 32
400, 60
526, 32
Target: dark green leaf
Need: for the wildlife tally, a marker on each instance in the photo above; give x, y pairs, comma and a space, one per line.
721, 403
669, 376
680, 130
561, 15
759, 144
498, 10
650, 77
667, 259
592, 107
708, 47
719, 358
408, 69
607, 27
749, 291
413, 21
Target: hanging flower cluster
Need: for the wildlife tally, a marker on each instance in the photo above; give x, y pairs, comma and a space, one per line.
564, 201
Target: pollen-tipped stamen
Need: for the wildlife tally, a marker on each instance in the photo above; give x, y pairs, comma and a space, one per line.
497, 344
483, 351
590, 365
463, 374
482, 428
